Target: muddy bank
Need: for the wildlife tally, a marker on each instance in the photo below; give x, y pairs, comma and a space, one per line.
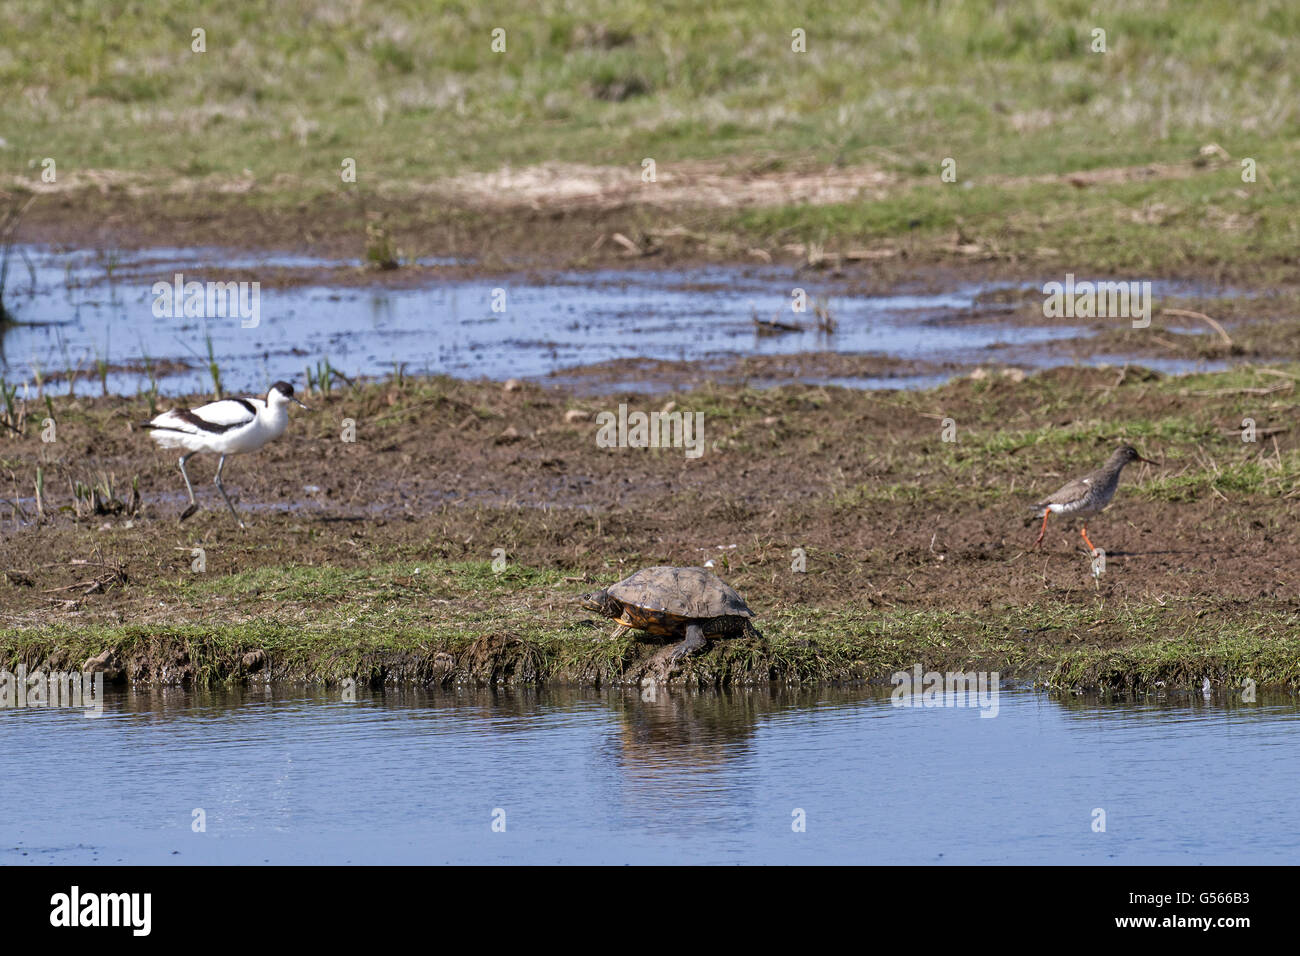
863, 538
486, 239
821, 220
660, 375
154, 657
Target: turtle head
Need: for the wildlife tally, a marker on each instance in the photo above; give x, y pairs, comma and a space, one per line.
602, 603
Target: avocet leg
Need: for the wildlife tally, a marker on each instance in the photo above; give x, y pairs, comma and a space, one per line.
194, 505
221, 488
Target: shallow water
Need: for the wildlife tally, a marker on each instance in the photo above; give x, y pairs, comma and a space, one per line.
294, 775
86, 306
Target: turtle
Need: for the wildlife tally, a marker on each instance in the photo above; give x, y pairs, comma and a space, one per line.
690, 603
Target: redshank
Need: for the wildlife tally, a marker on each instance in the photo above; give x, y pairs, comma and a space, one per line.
1090, 494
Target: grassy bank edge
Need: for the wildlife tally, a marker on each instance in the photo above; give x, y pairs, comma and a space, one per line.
207, 655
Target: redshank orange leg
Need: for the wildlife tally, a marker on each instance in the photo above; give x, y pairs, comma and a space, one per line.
1084, 531
1043, 530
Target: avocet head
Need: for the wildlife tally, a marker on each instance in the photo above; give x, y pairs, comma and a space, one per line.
281, 394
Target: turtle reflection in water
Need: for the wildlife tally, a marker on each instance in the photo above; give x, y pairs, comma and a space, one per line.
687, 603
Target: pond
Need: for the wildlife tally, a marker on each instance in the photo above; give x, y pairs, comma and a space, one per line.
294, 775
81, 307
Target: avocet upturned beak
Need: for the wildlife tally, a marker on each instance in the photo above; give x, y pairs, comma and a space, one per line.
300, 404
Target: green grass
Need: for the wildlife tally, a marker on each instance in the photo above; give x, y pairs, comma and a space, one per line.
945, 79
1265, 651
396, 621
1256, 476
518, 643
413, 92
308, 582
1177, 430
1142, 228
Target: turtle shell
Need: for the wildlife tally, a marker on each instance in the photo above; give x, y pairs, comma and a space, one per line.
664, 600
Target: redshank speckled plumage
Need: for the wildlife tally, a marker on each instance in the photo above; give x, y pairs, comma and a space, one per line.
1090, 494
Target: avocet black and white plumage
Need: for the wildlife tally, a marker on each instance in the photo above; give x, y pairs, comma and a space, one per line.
227, 427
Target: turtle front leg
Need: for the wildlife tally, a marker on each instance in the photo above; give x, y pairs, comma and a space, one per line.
694, 641
619, 632
665, 662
